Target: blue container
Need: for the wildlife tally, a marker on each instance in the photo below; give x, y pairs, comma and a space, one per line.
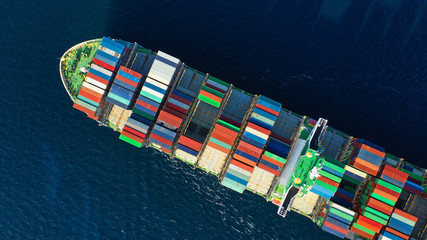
345, 193
370, 157
332, 171
149, 101
333, 232
121, 92
342, 202
414, 185
269, 103
99, 74
400, 226
260, 123
144, 109
407, 167
253, 142
166, 61
255, 137
279, 148
270, 165
363, 141
179, 104
336, 222
338, 218
392, 181
392, 236
265, 114
128, 76
142, 127
124, 85
141, 119
115, 46
162, 134
246, 155
160, 143
183, 95
236, 179
107, 58
155, 88
187, 150
136, 127
115, 102
354, 176
320, 193
325, 190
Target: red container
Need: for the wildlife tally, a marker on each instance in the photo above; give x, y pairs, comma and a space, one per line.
244, 160
89, 96
268, 169
131, 72
93, 117
259, 129
399, 234
335, 227
174, 112
230, 132
223, 137
249, 149
160, 139
405, 215
90, 91
362, 233
99, 79
146, 105
328, 181
413, 190
275, 113
191, 143
385, 192
218, 147
380, 206
215, 88
343, 197
394, 173
280, 138
176, 108
131, 136
83, 109
127, 81
273, 161
134, 132
165, 150
230, 121
103, 64
210, 95
169, 118
181, 99
369, 224
242, 165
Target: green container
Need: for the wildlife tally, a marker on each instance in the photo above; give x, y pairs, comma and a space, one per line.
130, 141
388, 155
213, 91
374, 218
376, 212
413, 175
369, 231
325, 185
388, 185
334, 167
222, 144
219, 81
151, 96
350, 179
341, 214
330, 176
143, 114
209, 101
382, 199
334, 162
349, 189
233, 185
275, 157
228, 125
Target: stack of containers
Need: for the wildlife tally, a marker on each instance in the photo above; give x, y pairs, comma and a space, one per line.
415, 179
170, 119
98, 77
213, 91
274, 157
400, 225
351, 179
367, 156
151, 95
252, 144
393, 176
330, 177
221, 141
366, 227
337, 219
124, 86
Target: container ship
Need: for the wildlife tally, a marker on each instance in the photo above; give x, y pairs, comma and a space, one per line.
348, 186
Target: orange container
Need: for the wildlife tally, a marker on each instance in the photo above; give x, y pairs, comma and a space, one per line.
223, 137
335, 227
328, 181
244, 160
131, 136
268, 169
242, 165
250, 149
366, 166
162, 140
380, 206
218, 147
405, 215
370, 149
386, 192
399, 234
89, 96
90, 91
258, 128
146, 105
211, 96
221, 128
369, 224
362, 233
169, 118
191, 143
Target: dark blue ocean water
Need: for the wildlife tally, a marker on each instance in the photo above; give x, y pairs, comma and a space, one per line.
360, 64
